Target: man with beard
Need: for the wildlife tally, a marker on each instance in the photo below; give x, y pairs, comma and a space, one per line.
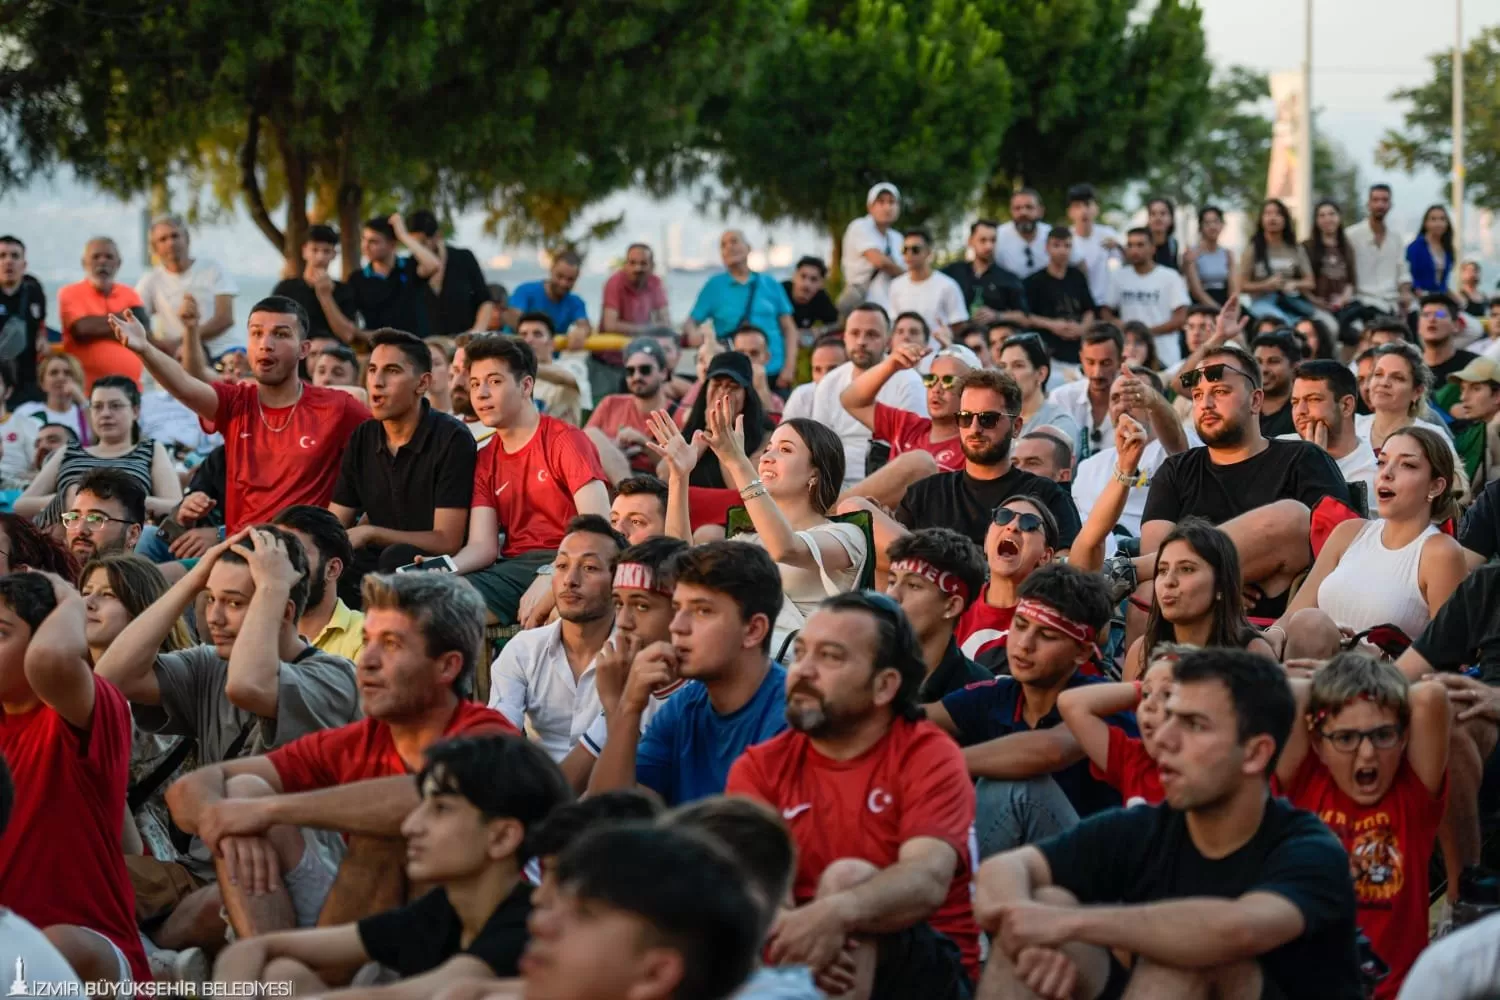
1267, 489
181, 284
283, 440
1021, 244
619, 421
1151, 294
1382, 275
1324, 396
409, 470
1277, 354
867, 339
988, 422
634, 298
725, 601
880, 807
83, 313
1223, 890
106, 515
330, 623
1101, 355
543, 679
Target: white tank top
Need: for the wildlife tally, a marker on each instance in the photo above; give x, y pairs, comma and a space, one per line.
1373, 585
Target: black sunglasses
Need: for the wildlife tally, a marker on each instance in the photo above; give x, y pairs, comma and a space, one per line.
1214, 373
914, 248
639, 369
1021, 338
1026, 522
988, 419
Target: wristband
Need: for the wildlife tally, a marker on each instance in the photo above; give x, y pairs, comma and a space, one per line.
754, 490
1138, 693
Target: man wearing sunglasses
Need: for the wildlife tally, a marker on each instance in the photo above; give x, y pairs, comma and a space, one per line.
620, 420
930, 294
936, 574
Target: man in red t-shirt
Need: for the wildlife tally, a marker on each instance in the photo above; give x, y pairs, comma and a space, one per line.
283, 440
535, 476
881, 809
634, 299
65, 735
424, 636
619, 421
83, 309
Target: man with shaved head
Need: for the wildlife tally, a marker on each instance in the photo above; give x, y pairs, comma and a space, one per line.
742, 297
83, 307
23, 312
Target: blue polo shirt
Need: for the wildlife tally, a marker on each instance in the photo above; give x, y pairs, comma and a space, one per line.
988, 710
723, 300
531, 296
685, 753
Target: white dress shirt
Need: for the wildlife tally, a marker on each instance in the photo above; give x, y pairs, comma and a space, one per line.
532, 685
1380, 269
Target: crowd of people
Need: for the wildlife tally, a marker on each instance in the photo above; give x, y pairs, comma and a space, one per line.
1092, 617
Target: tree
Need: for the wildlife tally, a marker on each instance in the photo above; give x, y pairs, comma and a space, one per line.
341, 106
1426, 137
863, 91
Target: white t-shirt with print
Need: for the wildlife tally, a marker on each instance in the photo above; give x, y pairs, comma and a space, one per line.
163, 293
1150, 298
938, 300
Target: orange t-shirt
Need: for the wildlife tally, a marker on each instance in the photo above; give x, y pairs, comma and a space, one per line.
99, 356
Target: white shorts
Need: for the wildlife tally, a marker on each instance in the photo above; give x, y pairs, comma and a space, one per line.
124, 976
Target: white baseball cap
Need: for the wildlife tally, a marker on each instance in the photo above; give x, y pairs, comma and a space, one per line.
884, 187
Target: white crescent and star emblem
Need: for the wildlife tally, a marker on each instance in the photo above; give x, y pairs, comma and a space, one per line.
879, 801
541, 475
306, 441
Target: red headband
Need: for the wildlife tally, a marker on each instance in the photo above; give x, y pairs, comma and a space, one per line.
1046, 614
637, 576
947, 582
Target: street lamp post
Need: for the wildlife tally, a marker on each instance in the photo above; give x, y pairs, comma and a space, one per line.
1458, 129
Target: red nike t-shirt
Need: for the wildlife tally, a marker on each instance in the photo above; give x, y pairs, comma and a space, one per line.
982, 628
913, 783
1130, 770
364, 749
60, 856
532, 489
1389, 845
279, 456
908, 431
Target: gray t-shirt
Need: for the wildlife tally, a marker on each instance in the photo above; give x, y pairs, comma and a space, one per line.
317, 691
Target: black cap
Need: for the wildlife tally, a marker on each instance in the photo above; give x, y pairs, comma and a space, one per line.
731, 364
1081, 192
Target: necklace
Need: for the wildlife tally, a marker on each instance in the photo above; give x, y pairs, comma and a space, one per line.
285, 423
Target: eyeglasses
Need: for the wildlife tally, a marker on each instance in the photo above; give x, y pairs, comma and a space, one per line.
1438, 313
93, 520
946, 381
1213, 373
914, 248
1348, 740
988, 419
1026, 522
640, 369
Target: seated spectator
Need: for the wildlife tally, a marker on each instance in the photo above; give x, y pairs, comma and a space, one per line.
1045, 453
424, 633
826, 354
729, 377
29, 945
1323, 404
553, 468
753, 343
912, 329
553, 295
330, 304
1125, 763
737, 297
1058, 299
482, 798
83, 310
17, 436
936, 574
326, 620
856, 725
457, 296
1025, 357
787, 494
440, 392
200, 516
27, 546
725, 601
1034, 784
965, 500
1416, 565
334, 366
408, 471
65, 403
1140, 346
932, 295
1383, 801
557, 392
639, 509
569, 822
543, 680
1278, 355
1196, 597
619, 421
1477, 437
1316, 341
1101, 356
982, 276
931, 442
390, 290
634, 299
616, 931
106, 514
813, 311
867, 340
1022, 537
1274, 915
66, 738
1398, 387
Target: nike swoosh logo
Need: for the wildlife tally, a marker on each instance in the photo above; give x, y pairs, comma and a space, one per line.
795, 811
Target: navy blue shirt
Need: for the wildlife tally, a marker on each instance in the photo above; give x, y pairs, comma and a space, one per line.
988, 710
686, 751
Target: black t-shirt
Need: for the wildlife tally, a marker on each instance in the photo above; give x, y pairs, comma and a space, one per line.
816, 311
996, 288
958, 501
1479, 531
464, 291
1144, 854
28, 301
1066, 298
1467, 627
402, 492
300, 292
1457, 363
423, 934
1273, 425
397, 300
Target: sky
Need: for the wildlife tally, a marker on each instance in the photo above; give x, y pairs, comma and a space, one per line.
1362, 51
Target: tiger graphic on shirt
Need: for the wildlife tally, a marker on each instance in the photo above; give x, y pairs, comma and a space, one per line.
1375, 860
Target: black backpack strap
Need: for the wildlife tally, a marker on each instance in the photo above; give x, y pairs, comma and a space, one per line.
147, 786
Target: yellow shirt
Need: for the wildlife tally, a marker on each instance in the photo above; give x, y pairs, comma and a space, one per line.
344, 635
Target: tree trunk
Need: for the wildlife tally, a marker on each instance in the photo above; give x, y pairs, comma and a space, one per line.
351, 198
294, 165
836, 266
250, 183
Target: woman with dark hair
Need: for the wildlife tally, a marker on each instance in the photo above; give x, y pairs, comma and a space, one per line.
1332, 260
115, 410
1274, 270
1317, 342
1209, 267
1161, 220
1197, 596
25, 545
787, 493
1024, 356
1430, 255
729, 376
1140, 346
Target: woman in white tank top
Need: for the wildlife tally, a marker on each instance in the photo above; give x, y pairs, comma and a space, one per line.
1397, 569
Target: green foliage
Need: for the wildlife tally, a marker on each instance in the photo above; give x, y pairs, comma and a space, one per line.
1426, 137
